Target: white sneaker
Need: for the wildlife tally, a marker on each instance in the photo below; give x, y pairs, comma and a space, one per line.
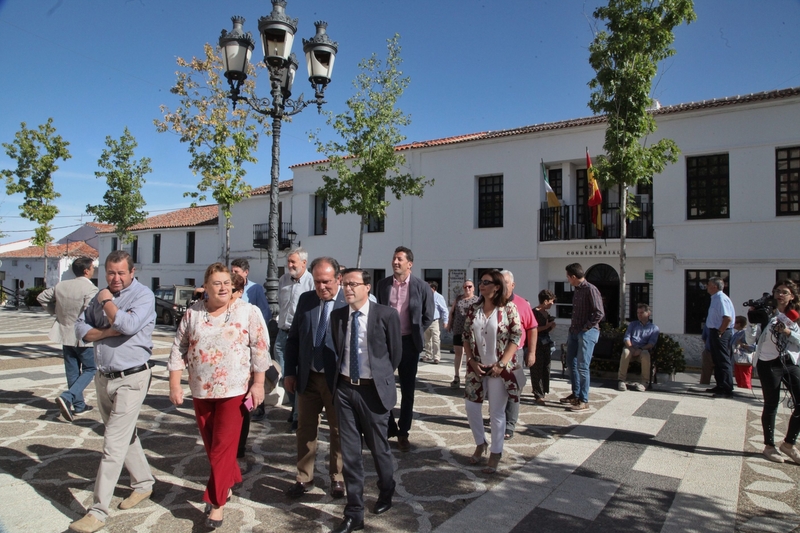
638, 387
621, 386
790, 451
772, 454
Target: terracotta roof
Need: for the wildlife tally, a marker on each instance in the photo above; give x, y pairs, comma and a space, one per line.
99, 226
285, 185
204, 215
586, 121
73, 249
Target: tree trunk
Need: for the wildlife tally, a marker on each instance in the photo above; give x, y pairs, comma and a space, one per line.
360, 242
623, 234
227, 243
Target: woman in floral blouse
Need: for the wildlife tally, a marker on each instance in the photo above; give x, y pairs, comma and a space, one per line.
221, 342
491, 335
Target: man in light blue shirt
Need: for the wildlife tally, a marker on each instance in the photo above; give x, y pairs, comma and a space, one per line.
440, 316
639, 340
720, 322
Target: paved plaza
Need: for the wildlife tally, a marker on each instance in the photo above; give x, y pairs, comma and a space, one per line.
668, 460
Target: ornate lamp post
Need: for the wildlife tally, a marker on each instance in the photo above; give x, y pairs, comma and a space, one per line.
277, 35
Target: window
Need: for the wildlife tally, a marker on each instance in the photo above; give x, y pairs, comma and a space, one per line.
114, 243
555, 177
707, 187
564, 292
787, 181
375, 224
320, 216
154, 283
135, 250
38, 282
490, 202
639, 294
188, 281
190, 247
377, 275
434, 274
697, 299
783, 275
157, 248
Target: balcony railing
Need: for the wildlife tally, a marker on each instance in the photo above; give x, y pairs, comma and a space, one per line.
261, 233
571, 222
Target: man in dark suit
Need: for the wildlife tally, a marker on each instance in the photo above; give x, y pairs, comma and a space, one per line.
368, 349
413, 300
310, 363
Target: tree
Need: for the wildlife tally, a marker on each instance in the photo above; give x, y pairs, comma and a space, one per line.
220, 143
125, 177
625, 57
36, 153
364, 161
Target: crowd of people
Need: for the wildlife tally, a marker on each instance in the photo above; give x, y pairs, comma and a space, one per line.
339, 345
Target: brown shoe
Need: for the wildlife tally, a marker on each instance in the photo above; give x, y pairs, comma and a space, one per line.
568, 399
579, 406
337, 489
134, 499
87, 524
403, 445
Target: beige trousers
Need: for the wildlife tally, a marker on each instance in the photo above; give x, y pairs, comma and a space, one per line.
625, 360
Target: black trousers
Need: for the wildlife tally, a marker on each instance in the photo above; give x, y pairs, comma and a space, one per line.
771, 374
407, 372
361, 412
721, 355
540, 371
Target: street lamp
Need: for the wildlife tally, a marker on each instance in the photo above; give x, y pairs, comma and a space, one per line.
277, 35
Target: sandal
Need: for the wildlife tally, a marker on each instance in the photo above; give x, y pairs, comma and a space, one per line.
477, 457
491, 465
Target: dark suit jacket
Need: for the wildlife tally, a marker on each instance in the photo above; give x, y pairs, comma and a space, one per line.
420, 305
299, 351
385, 346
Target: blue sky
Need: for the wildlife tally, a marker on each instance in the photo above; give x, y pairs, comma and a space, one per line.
97, 67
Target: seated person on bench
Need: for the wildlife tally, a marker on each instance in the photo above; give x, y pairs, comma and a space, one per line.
640, 338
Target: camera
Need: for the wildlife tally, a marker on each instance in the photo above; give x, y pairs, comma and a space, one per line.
765, 302
761, 310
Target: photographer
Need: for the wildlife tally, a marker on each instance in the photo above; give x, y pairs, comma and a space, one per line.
776, 356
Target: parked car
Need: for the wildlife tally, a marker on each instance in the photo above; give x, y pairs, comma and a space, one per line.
171, 303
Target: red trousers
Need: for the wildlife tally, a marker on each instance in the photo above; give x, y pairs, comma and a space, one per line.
220, 423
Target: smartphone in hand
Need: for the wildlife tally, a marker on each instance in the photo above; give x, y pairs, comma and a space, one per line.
248, 403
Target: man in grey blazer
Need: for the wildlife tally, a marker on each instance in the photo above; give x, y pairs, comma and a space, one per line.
311, 373
412, 299
66, 301
368, 350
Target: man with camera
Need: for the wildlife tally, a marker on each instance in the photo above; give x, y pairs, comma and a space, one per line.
720, 322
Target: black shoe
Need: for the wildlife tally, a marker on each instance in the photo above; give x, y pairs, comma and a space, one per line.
714, 390
84, 410
258, 414
213, 524
291, 418
337, 489
723, 394
381, 506
66, 409
293, 427
348, 525
299, 488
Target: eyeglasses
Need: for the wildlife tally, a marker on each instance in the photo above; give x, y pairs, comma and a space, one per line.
485, 282
218, 284
352, 284
784, 292
469, 287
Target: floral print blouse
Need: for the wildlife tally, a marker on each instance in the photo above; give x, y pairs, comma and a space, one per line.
221, 352
509, 330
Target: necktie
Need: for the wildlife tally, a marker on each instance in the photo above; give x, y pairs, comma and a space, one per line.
322, 328
355, 372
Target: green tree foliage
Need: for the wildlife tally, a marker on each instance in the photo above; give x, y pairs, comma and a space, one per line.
125, 178
36, 153
364, 162
625, 56
220, 142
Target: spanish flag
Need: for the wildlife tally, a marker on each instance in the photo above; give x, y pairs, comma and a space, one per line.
595, 198
552, 199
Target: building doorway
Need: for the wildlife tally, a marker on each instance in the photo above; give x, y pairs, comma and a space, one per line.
606, 279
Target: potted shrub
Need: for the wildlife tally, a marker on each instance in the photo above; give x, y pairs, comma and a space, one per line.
667, 356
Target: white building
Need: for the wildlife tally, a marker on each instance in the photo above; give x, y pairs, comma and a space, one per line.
24, 267
171, 248
727, 208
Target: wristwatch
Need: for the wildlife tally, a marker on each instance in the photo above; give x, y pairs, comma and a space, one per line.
104, 302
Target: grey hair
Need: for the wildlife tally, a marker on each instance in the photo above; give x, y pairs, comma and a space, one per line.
508, 274
718, 282
300, 252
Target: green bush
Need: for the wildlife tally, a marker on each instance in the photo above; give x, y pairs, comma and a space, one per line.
667, 355
31, 294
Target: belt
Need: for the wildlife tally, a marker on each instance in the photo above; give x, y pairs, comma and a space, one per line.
356, 382
123, 373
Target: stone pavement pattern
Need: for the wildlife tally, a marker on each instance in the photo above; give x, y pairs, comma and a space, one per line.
668, 460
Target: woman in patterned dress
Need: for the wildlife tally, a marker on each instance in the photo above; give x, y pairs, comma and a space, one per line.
221, 342
491, 335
